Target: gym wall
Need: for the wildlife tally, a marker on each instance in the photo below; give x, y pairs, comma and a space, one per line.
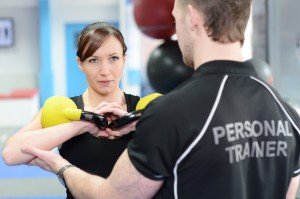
284, 45
19, 63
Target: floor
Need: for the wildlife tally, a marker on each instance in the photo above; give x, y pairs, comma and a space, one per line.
24, 182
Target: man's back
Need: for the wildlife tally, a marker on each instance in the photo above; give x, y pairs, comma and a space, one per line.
225, 136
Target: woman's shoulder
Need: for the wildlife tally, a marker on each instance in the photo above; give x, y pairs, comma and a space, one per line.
132, 98
78, 101
131, 101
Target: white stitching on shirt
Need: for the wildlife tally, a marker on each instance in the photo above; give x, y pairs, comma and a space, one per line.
201, 133
279, 103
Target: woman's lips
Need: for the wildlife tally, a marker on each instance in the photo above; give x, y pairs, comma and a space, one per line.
105, 82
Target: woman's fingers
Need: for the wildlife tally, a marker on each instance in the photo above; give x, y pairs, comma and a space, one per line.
123, 130
112, 110
101, 105
107, 104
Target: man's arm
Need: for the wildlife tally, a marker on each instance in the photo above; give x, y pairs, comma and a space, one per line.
124, 182
292, 191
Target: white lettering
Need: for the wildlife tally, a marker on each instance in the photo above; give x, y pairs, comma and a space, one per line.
219, 132
238, 130
230, 150
281, 149
256, 149
287, 128
270, 149
257, 128
247, 129
280, 129
238, 152
230, 132
269, 128
238, 127
246, 153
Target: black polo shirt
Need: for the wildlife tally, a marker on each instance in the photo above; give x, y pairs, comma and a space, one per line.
222, 134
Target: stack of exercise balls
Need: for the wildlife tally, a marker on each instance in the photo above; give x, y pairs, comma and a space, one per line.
165, 68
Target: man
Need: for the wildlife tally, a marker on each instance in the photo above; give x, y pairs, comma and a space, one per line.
222, 134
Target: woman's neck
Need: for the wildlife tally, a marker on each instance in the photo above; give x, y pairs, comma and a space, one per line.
92, 99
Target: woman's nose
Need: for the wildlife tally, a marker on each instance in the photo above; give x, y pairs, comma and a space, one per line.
104, 70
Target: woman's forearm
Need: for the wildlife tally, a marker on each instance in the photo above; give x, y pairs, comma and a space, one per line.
46, 139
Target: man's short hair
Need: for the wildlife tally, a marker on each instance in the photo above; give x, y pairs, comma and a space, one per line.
225, 20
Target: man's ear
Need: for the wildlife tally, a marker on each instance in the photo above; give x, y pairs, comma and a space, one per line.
192, 15
79, 62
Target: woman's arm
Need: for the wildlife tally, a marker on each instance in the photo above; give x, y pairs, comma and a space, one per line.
46, 139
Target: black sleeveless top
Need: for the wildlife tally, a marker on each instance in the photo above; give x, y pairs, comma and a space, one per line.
96, 155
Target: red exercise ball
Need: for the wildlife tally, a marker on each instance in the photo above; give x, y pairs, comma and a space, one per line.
154, 17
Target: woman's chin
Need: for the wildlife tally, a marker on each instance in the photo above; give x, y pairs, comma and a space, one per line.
105, 91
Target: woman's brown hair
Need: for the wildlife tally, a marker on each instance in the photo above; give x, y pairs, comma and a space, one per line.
92, 37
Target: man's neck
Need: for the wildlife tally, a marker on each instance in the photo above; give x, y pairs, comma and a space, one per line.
215, 51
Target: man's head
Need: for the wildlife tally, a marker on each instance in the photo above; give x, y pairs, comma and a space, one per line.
222, 21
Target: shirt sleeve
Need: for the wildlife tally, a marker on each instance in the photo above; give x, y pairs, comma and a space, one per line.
154, 148
297, 171
296, 119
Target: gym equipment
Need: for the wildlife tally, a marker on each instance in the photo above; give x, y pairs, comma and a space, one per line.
165, 68
134, 115
59, 110
154, 17
262, 69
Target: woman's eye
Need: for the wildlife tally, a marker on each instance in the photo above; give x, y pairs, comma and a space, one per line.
114, 58
93, 60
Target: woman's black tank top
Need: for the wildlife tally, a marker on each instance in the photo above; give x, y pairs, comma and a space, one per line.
96, 155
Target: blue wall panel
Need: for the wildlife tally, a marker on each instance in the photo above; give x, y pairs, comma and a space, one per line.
45, 74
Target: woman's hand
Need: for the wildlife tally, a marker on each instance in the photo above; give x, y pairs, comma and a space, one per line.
123, 130
112, 111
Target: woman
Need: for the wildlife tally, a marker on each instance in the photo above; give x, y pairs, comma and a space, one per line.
101, 57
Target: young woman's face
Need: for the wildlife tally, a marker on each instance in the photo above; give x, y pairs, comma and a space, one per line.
104, 68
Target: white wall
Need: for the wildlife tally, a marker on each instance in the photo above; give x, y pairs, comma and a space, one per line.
284, 39
247, 47
19, 64
74, 11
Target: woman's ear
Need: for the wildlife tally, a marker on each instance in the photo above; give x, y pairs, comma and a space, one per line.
79, 62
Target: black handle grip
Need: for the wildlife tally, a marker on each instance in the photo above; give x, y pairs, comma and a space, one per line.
100, 121
125, 119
